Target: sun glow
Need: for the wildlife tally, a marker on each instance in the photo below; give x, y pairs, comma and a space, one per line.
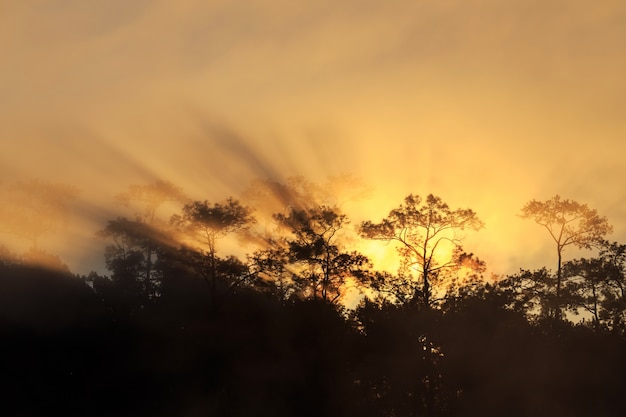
164, 106
383, 255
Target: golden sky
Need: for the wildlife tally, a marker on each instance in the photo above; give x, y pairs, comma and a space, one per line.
487, 104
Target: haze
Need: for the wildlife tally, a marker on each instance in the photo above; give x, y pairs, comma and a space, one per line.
487, 104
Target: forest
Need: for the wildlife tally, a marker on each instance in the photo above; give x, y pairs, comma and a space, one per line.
264, 305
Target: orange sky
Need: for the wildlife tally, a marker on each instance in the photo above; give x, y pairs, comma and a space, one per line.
487, 104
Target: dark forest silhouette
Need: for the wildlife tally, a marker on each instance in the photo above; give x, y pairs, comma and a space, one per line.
179, 327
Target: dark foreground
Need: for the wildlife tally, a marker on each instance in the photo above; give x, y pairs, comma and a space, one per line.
67, 350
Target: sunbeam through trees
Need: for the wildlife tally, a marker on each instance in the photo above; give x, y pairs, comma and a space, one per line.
266, 305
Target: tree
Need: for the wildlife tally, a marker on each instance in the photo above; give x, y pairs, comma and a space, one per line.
150, 198
270, 197
205, 225
312, 255
569, 223
430, 237
614, 291
135, 275
529, 292
592, 273
600, 286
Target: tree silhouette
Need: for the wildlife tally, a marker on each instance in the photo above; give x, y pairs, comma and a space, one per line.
150, 198
270, 197
599, 286
613, 312
587, 289
530, 292
425, 229
569, 223
205, 224
312, 255
136, 278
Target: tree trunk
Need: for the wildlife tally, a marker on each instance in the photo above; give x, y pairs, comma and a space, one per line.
426, 294
557, 301
596, 318
213, 280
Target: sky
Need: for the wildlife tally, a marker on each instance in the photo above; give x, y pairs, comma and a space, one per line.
485, 103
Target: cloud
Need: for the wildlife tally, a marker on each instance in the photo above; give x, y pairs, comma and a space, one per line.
486, 103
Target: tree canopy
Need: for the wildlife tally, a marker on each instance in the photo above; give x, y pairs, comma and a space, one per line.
569, 223
430, 236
